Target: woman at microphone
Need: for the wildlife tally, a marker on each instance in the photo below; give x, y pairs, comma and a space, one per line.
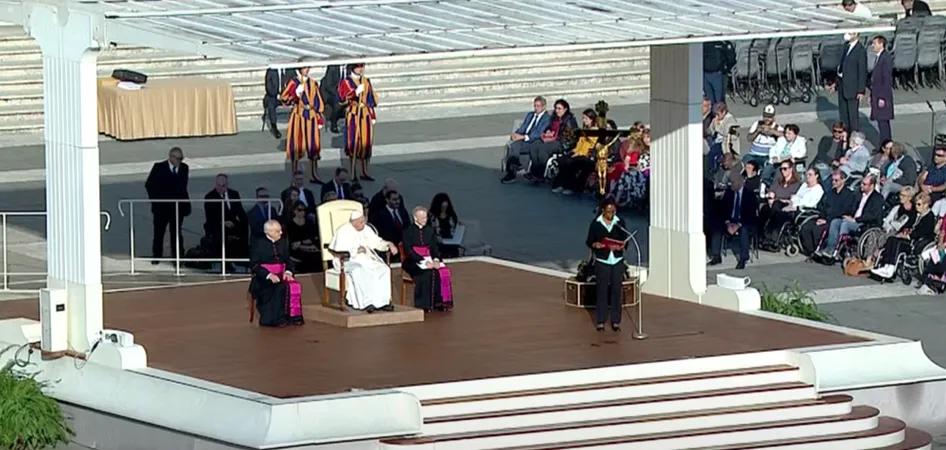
607, 238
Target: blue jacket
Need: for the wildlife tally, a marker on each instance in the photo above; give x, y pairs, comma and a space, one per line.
536, 132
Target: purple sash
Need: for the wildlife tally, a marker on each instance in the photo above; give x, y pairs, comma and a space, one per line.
446, 291
293, 289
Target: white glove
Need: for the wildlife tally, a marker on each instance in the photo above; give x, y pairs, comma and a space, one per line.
373, 121
299, 90
320, 126
360, 89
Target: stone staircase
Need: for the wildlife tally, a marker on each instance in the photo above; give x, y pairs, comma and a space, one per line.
740, 409
407, 91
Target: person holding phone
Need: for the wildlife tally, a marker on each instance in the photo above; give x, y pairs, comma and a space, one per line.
607, 239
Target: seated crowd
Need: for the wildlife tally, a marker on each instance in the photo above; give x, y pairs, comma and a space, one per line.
550, 147
775, 198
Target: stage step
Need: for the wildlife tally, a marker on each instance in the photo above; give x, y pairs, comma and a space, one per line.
608, 391
757, 396
706, 431
913, 440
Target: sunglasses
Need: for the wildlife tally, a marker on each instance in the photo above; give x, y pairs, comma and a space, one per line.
786, 168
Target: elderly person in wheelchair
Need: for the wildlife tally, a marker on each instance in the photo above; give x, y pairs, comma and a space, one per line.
902, 250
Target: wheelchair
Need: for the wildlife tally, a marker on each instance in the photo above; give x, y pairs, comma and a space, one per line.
788, 238
860, 244
910, 265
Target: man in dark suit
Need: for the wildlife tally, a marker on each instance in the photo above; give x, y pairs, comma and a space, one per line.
168, 181
916, 8
306, 196
260, 213
881, 88
852, 81
737, 219
339, 185
392, 219
329, 86
226, 217
379, 199
275, 81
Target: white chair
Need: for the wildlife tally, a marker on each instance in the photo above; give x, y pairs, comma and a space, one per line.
331, 216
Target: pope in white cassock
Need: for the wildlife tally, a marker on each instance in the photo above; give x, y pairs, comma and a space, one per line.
368, 277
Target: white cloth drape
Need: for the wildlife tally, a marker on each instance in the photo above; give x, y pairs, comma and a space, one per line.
368, 280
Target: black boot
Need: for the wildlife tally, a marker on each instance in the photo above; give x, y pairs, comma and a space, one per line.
275, 131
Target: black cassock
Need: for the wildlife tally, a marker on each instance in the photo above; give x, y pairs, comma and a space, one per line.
427, 293
272, 299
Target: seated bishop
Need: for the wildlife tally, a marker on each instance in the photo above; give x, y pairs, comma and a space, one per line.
368, 277
278, 295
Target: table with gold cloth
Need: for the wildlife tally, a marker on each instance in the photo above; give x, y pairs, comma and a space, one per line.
164, 108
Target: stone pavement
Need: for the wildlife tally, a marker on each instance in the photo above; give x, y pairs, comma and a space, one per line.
459, 156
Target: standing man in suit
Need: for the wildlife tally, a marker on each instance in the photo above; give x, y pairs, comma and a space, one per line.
881, 88
168, 181
916, 8
226, 222
306, 196
329, 85
517, 150
339, 185
852, 81
738, 217
274, 84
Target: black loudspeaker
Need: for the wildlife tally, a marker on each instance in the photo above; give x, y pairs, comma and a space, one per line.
129, 75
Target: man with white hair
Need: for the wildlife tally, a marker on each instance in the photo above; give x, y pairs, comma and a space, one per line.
857, 159
278, 295
368, 280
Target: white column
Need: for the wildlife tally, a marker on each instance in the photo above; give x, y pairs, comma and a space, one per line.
677, 244
73, 222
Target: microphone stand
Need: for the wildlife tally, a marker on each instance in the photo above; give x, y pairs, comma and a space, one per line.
638, 332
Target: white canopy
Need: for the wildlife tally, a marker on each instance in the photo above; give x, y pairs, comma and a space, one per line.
280, 32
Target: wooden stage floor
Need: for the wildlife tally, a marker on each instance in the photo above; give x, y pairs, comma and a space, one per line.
506, 322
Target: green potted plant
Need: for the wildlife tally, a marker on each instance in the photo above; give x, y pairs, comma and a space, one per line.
29, 419
795, 302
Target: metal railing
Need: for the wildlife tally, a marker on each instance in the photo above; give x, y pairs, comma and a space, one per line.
4, 222
176, 246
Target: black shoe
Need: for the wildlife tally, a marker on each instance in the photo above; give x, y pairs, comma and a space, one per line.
370, 309
715, 262
616, 327
154, 263
334, 128
367, 178
316, 181
387, 308
600, 327
275, 131
741, 265
510, 177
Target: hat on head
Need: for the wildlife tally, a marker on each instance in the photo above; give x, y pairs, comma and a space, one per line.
768, 111
355, 215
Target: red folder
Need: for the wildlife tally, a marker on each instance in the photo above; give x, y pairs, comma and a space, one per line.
612, 243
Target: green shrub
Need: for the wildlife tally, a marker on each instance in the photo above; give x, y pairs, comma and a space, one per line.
795, 302
29, 419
